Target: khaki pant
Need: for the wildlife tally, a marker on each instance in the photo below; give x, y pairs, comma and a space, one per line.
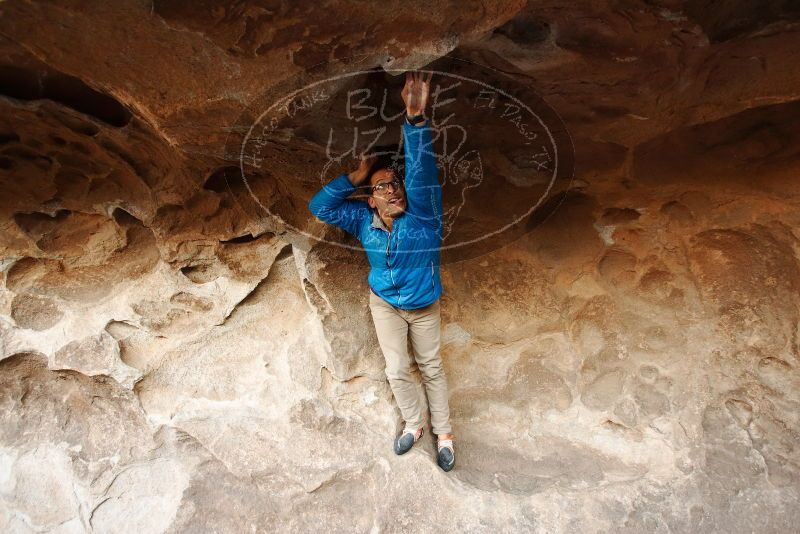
393, 325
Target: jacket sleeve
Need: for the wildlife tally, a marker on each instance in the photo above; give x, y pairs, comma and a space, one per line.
331, 205
423, 190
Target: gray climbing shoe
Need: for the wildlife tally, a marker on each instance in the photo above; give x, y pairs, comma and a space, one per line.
446, 456
406, 440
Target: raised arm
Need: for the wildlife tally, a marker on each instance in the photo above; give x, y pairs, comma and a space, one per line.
423, 190
331, 205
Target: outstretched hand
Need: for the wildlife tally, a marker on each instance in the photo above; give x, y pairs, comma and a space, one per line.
415, 92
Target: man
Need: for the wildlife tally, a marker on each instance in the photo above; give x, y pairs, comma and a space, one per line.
400, 228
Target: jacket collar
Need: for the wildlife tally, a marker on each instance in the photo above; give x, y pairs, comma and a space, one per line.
377, 222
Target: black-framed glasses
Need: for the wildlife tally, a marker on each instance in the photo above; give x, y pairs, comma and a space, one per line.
381, 187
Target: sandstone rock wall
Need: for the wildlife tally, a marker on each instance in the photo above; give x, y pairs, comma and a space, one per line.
174, 360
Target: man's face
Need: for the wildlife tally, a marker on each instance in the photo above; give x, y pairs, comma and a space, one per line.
389, 199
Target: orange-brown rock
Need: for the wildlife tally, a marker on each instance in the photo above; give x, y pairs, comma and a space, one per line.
184, 348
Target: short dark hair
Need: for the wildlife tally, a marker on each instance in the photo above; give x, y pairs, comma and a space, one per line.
389, 157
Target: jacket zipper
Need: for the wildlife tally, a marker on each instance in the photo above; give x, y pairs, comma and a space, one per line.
388, 242
433, 277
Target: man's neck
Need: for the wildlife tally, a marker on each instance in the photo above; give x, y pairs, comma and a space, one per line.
388, 222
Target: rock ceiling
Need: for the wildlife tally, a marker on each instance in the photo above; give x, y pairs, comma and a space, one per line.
183, 348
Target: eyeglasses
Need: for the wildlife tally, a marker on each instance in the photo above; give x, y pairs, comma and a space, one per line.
381, 187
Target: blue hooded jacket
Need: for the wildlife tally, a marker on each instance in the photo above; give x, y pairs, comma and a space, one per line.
404, 262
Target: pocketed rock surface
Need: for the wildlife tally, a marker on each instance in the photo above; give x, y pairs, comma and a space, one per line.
173, 360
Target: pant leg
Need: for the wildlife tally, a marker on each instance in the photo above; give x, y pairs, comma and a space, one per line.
425, 330
392, 330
